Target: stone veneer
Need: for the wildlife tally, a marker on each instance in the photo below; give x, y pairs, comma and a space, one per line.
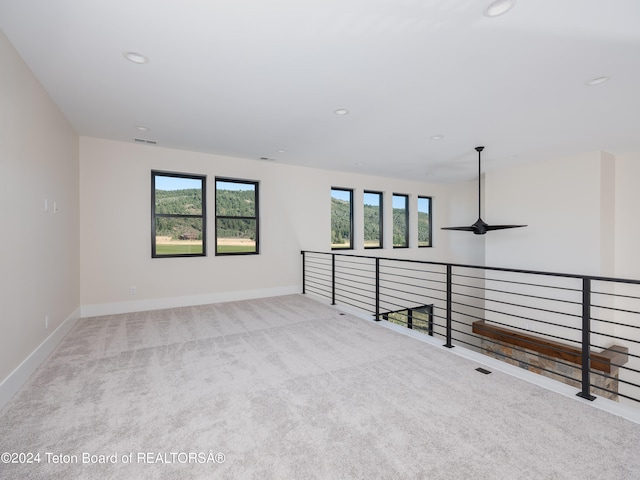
552, 367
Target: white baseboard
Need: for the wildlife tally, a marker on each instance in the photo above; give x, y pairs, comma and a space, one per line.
186, 301
22, 372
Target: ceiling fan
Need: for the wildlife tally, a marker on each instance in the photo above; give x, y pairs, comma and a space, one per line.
480, 227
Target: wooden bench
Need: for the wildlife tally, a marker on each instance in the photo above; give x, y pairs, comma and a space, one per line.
605, 361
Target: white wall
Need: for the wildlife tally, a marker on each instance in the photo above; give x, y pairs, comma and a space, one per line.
560, 201
39, 250
294, 214
627, 207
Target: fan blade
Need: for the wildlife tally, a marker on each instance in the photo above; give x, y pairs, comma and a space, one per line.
502, 227
464, 229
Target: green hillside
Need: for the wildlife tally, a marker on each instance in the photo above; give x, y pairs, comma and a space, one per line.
340, 224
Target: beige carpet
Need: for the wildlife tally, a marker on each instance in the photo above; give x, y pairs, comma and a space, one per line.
289, 388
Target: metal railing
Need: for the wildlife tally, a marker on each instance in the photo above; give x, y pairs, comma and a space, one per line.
578, 329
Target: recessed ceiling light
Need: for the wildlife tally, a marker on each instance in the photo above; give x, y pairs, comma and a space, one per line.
437, 137
341, 111
359, 164
498, 7
142, 128
281, 151
596, 81
135, 57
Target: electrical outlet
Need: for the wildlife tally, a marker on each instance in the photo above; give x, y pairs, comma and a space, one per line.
46, 205
46, 322
55, 207
133, 290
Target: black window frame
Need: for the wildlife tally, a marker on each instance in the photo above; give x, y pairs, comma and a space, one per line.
256, 218
351, 229
380, 218
430, 220
406, 220
154, 215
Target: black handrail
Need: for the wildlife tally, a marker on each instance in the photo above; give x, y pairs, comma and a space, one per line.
376, 288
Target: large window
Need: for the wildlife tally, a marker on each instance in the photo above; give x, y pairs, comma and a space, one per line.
424, 221
341, 218
178, 216
400, 204
372, 219
237, 226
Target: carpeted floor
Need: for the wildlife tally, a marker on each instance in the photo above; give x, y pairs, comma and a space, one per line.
289, 388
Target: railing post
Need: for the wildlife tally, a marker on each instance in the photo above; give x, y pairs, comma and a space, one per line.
333, 279
410, 318
377, 318
586, 340
303, 274
449, 303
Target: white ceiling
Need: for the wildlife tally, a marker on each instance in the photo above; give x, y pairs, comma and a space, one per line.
250, 78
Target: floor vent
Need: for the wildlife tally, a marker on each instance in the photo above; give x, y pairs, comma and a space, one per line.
482, 370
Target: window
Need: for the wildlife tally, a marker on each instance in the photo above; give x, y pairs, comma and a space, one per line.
178, 216
341, 218
372, 219
424, 221
400, 220
237, 229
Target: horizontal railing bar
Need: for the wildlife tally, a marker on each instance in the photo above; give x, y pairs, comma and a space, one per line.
319, 286
518, 328
411, 269
544, 322
616, 337
615, 309
359, 306
427, 289
518, 294
343, 268
319, 275
319, 292
517, 305
343, 260
360, 282
422, 279
422, 290
617, 295
611, 322
321, 283
357, 275
397, 306
369, 294
352, 288
526, 284
321, 268
314, 282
